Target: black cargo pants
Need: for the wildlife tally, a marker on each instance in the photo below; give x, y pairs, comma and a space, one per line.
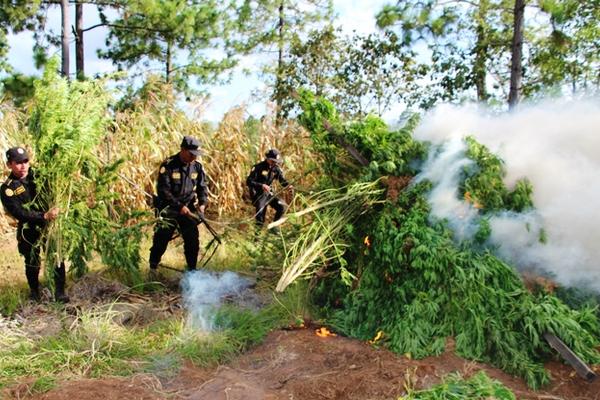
29, 247
264, 200
163, 233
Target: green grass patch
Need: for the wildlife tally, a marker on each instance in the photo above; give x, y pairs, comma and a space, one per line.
454, 387
11, 298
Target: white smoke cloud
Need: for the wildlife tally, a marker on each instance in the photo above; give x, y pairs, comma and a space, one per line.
203, 293
443, 168
556, 145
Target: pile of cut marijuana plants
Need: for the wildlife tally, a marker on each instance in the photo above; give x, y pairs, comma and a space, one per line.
415, 283
419, 288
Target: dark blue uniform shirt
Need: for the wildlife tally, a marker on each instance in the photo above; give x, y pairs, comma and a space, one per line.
180, 184
263, 174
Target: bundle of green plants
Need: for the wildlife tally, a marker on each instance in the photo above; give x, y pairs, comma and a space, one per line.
386, 151
419, 287
68, 123
455, 387
323, 238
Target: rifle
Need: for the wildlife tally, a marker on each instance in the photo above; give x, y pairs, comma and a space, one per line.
198, 218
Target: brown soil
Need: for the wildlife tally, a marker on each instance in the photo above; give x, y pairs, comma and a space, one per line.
297, 364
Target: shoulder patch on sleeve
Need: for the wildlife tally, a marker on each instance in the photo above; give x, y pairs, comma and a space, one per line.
8, 192
162, 169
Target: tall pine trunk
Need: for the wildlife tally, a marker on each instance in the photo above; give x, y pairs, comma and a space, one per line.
516, 70
168, 63
79, 63
279, 78
64, 8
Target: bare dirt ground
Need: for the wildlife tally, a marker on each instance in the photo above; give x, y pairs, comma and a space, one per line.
297, 364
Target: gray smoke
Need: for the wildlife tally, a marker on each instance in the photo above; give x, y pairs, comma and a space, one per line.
556, 145
204, 292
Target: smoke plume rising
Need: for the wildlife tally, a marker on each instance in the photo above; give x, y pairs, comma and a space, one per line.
556, 145
203, 293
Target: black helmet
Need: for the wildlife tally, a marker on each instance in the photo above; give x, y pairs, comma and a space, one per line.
273, 154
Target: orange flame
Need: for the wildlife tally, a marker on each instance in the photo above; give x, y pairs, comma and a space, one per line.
377, 337
367, 241
470, 199
324, 332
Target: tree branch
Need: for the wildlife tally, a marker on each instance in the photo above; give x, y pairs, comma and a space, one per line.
124, 27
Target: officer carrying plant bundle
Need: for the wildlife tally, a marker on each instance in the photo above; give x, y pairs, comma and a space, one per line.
181, 184
20, 200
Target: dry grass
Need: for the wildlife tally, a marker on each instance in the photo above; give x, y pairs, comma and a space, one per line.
151, 130
144, 137
12, 269
12, 133
226, 162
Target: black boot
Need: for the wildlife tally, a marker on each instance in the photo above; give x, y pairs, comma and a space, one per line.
32, 274
34, 295
61, 297
59, 282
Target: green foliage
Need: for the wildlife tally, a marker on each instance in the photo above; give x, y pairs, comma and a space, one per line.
454, 387
320, 118
175, 33
484, 231
11, 298
470, 45
579, 298
567, 53
267, 25
484, 182
419, 288
70, 176
15, 16
389, 152
18, 88
361, 74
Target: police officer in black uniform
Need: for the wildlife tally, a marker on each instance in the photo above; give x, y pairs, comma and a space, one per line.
18, 195
259, 184
181, 182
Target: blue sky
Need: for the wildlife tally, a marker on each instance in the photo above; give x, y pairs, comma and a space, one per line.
353, 15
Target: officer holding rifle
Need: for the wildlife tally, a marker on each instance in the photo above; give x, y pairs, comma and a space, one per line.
181, 183
259, 183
